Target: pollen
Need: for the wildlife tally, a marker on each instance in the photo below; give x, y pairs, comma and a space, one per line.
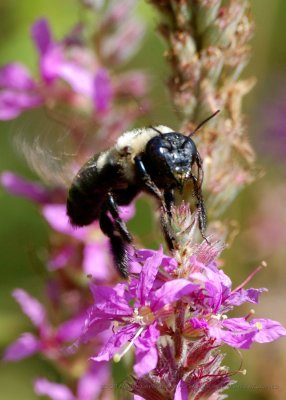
258, 325
145, 315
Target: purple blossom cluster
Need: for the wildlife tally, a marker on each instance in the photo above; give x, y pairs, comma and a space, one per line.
184, 320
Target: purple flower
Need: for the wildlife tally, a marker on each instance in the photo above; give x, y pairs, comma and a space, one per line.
47, 340
25, 346
138, 323
28, 343
19, 91
54, 64
89, 386
18, 186
237, 332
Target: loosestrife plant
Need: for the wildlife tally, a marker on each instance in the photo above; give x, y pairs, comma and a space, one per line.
172, 313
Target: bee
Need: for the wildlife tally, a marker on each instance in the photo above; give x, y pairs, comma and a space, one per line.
155, 160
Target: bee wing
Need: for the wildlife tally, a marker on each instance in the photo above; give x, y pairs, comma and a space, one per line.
54, 167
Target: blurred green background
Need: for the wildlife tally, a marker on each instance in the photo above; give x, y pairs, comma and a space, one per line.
260, 209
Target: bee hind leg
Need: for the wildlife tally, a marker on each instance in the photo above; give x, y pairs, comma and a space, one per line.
117, 243
120, 224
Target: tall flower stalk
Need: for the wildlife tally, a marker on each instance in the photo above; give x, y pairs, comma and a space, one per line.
173, 311
207, 49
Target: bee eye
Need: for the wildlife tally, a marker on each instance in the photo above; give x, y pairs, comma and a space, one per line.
164, 149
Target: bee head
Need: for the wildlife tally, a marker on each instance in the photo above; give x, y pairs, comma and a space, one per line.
170, 158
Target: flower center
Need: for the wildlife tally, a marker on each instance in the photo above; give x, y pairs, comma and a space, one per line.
144, 315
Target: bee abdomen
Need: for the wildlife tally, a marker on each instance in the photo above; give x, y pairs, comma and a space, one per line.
82, 208
84, 198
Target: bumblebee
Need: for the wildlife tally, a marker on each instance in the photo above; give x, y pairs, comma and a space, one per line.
155, 160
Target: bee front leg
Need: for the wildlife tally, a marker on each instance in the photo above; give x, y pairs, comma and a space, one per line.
166, 219
146, 179
117, 243
200, 176
201, 207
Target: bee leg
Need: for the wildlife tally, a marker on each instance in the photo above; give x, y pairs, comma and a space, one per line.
146, 178
166, 220
169, 201
117, 243
200, 176
121, 226
201, 208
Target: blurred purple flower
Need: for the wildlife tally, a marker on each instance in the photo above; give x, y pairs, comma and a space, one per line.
48, 340
89, 385
19, 92
127, 32
19, 186
122, 46
55, 63
25, 346
102, 90
134, 83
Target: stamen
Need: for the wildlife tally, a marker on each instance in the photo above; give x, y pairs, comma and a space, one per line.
249, 315
248, 279
117, 357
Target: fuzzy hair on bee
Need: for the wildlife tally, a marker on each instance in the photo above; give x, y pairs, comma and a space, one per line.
155, 160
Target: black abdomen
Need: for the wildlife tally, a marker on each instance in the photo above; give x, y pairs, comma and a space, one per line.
85, 196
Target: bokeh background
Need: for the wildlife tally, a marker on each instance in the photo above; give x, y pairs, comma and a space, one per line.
260, 209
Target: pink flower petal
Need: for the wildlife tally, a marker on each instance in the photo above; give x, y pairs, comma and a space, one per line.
19, 186
109, 301
97, 261
268, 330
171, 291
31, 307
25, 346
102, 90
16, 76
12, 104
146, 351
115, 342
55, 391
41, 34
92, 382
71, 330
80, 79
146, 361
57, 217
148, 275
181, 391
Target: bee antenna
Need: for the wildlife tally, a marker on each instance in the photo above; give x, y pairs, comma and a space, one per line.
203, 122
157, 130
